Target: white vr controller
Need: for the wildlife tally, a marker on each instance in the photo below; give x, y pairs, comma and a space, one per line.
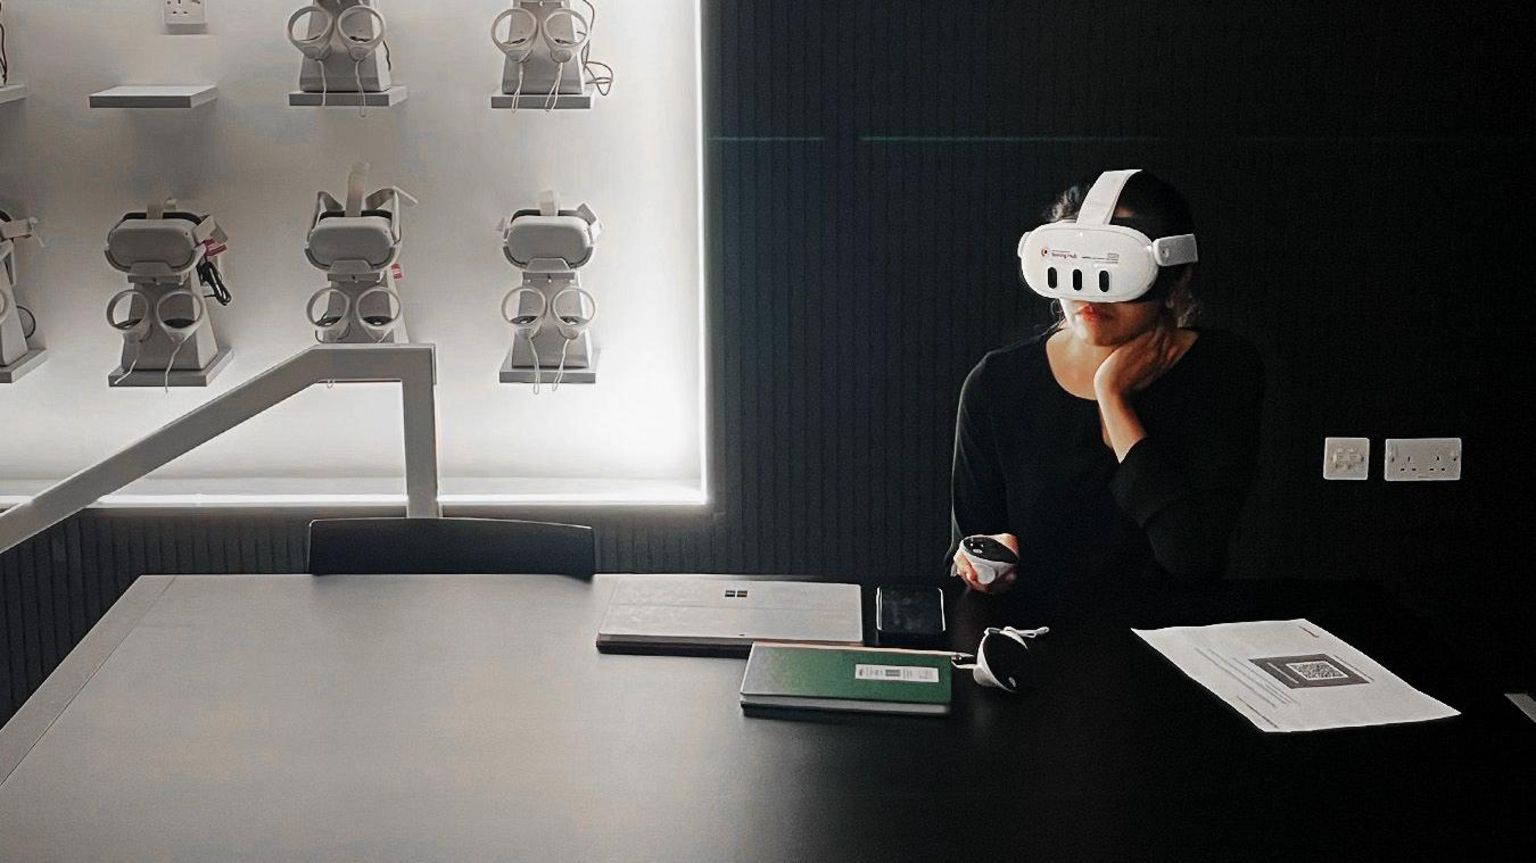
357, 42
567, 37
136, 325
524, 28
990, 559
333, 326
574, 319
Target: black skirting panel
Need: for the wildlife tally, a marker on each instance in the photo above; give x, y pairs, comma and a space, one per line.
1358, 173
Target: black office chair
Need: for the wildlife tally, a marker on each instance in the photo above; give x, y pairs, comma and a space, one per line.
435, 546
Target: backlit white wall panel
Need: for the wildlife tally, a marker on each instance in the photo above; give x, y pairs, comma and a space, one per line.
256, 164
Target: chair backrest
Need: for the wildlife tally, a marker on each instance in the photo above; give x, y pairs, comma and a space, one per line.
418, 546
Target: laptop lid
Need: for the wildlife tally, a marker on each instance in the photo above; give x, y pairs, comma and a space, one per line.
683, 613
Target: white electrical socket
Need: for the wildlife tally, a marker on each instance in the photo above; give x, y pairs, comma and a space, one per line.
1428, 458
1347, 458
186, 13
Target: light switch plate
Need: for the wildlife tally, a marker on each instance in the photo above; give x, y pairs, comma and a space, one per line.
186, 13
1420, 459
1347, 458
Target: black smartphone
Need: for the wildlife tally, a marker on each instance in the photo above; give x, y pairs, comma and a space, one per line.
909, 616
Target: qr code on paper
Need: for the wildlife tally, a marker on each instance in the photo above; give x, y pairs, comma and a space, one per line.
1303, 672
1316, 670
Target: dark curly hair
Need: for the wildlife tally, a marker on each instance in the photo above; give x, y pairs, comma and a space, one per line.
1157, 210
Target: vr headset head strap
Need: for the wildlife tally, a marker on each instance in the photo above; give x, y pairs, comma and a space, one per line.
208, 229
1099, 208
1099, 204
357, 186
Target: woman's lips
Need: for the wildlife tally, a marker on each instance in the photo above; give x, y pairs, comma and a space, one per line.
1092, 313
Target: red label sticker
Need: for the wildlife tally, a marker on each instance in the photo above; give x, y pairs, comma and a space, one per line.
398, 273
216, 249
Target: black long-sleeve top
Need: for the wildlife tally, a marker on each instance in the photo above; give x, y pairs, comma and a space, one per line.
1030, 459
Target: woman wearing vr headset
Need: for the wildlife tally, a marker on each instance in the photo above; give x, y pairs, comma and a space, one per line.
1122, 441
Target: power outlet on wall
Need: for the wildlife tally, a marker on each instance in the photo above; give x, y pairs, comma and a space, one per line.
1347, 458
186, 13
1429, 458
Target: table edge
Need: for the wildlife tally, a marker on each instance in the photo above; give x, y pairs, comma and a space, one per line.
48, 703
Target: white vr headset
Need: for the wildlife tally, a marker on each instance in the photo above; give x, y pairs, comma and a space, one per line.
1090, 260
357, 242
549, 239
162, 244
361, 237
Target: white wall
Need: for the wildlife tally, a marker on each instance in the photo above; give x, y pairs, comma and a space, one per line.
256, 164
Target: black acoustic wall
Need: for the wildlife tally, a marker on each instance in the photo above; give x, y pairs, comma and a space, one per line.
1360, 176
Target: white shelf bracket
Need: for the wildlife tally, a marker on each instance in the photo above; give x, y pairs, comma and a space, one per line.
412, 366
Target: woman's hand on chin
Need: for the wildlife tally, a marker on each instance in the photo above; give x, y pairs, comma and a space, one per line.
967, 572
1137, 363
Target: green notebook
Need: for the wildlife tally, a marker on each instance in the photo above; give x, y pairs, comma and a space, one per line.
806, 677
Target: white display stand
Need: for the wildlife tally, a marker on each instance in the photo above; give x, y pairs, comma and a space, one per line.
545, 375
177, 377
15, 371
12, 93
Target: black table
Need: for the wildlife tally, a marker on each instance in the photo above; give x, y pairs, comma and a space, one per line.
471, 718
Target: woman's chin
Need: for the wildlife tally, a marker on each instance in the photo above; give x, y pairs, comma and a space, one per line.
1100, 334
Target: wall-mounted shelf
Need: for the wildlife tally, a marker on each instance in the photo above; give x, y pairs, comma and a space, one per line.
12, 373
387, 99
538, 101
156, 96
12, 93
158, 378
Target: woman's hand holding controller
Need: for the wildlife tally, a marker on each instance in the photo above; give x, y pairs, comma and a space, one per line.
985, 577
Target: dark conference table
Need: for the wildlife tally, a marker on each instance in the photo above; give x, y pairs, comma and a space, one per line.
471, 718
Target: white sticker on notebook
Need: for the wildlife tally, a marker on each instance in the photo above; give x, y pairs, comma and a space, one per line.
896, 673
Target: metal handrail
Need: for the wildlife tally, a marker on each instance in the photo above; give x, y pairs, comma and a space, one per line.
411, 366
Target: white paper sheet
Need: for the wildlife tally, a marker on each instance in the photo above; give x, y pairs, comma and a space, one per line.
1292, 675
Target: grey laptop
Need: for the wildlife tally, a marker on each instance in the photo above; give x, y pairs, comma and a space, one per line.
716, 614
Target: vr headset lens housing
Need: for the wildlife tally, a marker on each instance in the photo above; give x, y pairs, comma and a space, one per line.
1090, 260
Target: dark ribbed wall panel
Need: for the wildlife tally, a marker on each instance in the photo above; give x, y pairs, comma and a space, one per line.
1359, 173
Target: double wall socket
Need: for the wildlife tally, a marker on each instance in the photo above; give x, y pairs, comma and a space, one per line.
1429, 458
186, 13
